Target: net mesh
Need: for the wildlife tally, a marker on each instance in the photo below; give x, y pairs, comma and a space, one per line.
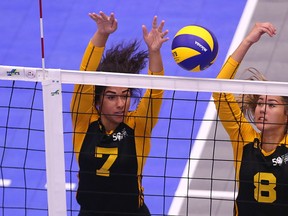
22, 149
190, 166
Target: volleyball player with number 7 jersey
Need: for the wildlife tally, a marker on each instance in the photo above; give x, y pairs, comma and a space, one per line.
257, 126
112, 142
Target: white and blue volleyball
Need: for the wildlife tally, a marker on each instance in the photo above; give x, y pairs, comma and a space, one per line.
194, 48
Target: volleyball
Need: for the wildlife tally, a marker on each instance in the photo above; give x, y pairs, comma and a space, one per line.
194, 48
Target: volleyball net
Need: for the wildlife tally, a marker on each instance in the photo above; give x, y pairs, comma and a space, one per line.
190, 166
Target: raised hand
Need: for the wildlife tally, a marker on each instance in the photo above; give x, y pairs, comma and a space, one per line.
156, 37
258, 30
105, 24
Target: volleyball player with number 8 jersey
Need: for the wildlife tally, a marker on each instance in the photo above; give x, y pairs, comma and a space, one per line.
260, 149
112, 142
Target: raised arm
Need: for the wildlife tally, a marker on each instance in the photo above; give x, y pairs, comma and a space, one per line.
106, 25
254, 36
150, 104
154, 40
91, 59
229, 69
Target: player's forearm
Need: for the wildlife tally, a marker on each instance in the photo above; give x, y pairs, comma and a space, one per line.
241, 50
99, 39
155, 62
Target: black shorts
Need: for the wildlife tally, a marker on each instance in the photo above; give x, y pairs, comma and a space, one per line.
143, 210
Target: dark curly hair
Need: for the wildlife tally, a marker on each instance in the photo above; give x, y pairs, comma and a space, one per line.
122, 58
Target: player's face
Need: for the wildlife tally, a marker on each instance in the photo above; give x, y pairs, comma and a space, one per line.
114, 105
270, 114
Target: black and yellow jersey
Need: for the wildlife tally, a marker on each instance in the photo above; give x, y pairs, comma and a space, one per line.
108, 179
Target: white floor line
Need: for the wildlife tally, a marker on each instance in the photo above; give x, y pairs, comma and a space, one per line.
68, 186
5, 182
226, 195
198, 146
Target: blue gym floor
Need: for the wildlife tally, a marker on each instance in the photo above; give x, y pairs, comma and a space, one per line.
67, 30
